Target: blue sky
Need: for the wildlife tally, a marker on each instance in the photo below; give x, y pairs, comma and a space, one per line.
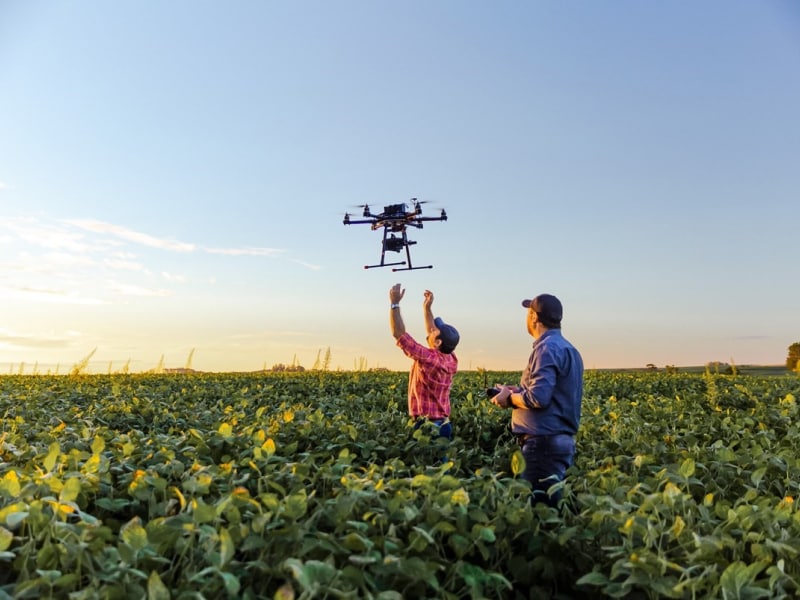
173, 177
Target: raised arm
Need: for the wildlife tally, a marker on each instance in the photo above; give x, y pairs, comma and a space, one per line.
427, 310
396, 324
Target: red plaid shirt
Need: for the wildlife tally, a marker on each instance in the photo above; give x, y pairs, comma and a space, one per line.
430, 379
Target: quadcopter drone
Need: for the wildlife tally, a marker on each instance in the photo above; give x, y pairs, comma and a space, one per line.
394, 219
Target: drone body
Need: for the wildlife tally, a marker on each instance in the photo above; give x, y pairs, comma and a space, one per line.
394, 219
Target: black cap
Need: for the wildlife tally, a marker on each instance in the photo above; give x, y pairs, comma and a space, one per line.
448, 335
549, 309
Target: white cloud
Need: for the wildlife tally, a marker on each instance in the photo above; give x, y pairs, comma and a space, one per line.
45, 236
171, 277
51, 296
64, 237
123, 265
62, 259
127, 289
77, 256
37, 340
245, 251
307, 265
131, 236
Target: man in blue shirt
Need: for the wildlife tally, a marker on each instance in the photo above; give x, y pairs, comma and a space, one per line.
546, 406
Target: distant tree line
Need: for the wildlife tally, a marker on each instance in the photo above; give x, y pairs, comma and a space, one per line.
793, 359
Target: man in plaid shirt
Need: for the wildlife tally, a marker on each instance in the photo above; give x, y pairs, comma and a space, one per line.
434, 366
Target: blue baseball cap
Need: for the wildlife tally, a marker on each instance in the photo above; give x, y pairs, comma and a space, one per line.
448, 335
549, 309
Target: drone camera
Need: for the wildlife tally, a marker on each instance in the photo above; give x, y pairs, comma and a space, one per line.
394, 244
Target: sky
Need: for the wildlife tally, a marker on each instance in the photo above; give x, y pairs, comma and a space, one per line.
173, 178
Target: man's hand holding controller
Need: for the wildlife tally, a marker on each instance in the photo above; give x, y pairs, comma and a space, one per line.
500, 395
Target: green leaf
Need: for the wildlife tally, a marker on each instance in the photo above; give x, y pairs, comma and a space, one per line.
357, 543
363, 560
9, 485
203, 513
232, 584
67, 581
98, 445
311, 573
419, 539
295, 505
156, 590
113, 504
285, 592
460, 497
133, 534
473, 575
128, 448
736, 579
687, 468
758, 475
226, 547
49, 461
269, 447
460, 544
594, 578
14, 515
421, 481
485, 534
6, 537
71, 490
390, 595
517, 463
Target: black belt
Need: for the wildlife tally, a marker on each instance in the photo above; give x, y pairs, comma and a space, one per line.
524, 437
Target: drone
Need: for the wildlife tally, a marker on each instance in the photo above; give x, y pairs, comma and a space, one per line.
394, 219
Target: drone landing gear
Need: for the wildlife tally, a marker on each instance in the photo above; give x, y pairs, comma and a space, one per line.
383, 264
396, 244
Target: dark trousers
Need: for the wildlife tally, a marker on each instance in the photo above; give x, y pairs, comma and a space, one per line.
547, 458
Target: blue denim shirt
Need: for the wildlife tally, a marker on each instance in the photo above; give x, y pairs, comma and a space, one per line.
552, 387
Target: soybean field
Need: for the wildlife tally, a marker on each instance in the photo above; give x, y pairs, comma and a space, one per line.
314, 485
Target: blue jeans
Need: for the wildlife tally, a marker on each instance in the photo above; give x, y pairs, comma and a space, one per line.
444, 429
547, 458
444, 426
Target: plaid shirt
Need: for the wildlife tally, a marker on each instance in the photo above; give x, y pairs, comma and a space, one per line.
430, 379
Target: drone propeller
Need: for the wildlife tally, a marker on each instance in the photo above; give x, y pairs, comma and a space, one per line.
365, 209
